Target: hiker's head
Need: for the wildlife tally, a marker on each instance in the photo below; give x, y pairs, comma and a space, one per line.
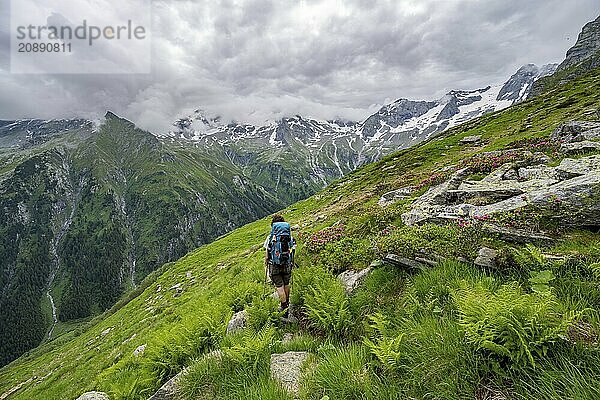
277, 218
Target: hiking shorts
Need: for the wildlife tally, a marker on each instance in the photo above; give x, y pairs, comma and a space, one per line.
280, 274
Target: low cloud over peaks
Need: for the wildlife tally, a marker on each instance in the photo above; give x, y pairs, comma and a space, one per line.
257, 60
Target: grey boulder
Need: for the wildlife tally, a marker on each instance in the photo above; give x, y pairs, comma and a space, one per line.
237, 322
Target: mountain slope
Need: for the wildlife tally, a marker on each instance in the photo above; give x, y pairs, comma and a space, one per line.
181, 313
153, 198
88, 214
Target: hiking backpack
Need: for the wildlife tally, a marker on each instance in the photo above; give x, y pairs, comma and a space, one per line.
280, 249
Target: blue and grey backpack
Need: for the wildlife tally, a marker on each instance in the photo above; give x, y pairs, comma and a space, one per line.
281, 243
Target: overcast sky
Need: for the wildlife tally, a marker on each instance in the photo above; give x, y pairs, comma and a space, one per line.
257, 60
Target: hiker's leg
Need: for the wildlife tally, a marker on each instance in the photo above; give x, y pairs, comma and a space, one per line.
286, 288
282, 294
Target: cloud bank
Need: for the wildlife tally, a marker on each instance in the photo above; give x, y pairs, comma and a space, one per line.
258, 60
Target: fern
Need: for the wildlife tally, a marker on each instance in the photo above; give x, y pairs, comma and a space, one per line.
251, 349
530, 257
510, 323
328, 309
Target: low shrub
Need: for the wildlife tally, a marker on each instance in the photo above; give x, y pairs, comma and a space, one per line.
446, 240
347, 253
486, 163
375, 218
316, 241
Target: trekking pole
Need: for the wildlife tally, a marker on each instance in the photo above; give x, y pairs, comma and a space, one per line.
266, 266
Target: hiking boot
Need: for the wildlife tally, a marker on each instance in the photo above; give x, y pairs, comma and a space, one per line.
284, 307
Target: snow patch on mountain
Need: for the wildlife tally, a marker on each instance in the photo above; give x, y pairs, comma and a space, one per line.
394, 126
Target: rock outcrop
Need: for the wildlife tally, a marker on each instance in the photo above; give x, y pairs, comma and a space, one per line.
237, 322
470, 139
352, 279
583, 57
572, 189
587, 45
395, 195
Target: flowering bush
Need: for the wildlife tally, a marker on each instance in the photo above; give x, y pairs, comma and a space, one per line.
433, 179
487, 163
347, 253
543, 144
316, 241
468, 222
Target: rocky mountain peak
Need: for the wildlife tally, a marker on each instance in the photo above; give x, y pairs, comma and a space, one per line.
588, 44
518, 86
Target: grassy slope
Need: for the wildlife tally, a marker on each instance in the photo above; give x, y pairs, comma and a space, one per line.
227, 274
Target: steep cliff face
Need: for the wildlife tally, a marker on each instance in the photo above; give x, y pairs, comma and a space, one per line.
587, 45
583, 57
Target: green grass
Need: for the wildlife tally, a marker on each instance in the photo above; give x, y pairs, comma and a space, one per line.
401, 335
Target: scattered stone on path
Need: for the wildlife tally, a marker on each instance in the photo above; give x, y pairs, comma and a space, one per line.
93, 396
237, 322
470, 139
486, 258
139, 351
286, 369
403, 262
352, 279
395, 195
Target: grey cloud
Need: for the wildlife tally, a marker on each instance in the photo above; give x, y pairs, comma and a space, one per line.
258, 59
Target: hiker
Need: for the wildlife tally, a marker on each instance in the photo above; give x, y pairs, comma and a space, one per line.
279, 259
